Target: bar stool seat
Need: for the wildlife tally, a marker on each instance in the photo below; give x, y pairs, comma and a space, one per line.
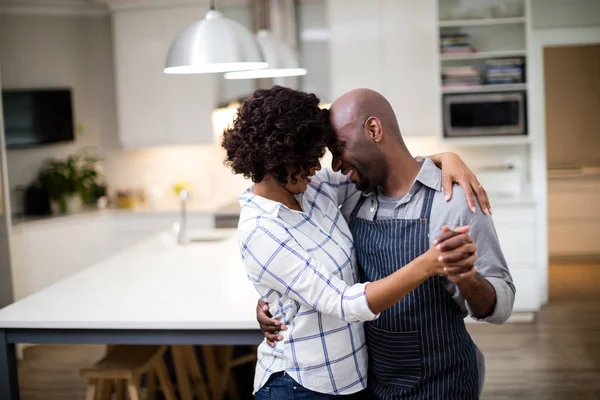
125, 366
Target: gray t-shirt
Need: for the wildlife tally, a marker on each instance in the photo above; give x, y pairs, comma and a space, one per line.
387, 206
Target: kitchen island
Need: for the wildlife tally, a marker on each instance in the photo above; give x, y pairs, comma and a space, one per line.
156, 292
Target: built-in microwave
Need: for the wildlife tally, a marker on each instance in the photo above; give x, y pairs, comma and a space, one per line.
484, 114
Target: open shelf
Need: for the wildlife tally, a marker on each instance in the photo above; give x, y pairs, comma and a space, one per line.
481, 141
506, 87
481, 22
483, 54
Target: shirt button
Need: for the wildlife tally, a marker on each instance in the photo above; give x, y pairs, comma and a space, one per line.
372, 209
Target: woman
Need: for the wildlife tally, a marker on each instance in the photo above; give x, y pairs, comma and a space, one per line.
299, 254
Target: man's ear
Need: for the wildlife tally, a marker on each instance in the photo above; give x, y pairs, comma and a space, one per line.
373, 129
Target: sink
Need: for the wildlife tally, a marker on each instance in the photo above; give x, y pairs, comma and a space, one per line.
210, 236
206, 239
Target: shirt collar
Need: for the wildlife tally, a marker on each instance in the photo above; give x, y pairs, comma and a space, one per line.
429, 175
249, 199
266, 206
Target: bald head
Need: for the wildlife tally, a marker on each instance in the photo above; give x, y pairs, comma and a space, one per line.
367, 137
357, 105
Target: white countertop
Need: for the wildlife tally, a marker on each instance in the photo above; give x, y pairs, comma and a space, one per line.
232, 210
154, 285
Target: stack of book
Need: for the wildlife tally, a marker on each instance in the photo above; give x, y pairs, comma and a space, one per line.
454, 43
460, 76
507, 70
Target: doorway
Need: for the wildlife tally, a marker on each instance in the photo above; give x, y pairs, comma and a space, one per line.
572, 101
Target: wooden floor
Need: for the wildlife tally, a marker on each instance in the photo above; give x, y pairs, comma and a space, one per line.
555, 358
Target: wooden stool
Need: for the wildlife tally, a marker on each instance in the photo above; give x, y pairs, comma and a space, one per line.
219, 361
124, 366
190, 380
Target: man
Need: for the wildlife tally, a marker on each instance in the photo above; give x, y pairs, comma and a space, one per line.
395, 207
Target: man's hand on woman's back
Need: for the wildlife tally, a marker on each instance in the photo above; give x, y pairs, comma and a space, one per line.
270, 327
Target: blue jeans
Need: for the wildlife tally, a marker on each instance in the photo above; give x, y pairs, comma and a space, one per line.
281, 386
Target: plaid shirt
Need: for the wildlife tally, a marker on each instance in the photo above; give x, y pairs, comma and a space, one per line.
303, 264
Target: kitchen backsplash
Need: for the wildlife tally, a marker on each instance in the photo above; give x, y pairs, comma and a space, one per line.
157, 170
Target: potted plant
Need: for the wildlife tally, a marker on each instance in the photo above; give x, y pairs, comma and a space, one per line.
77, 175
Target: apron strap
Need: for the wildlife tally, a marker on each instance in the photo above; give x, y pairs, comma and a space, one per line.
358, 206
426, 209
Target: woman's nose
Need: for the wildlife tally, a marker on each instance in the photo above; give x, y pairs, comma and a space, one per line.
336, 164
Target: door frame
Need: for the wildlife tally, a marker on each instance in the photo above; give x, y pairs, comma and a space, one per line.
6, 274
538, 40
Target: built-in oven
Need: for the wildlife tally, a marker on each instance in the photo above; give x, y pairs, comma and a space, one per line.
484, 114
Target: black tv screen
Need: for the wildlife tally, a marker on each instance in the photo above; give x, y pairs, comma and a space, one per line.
35, 117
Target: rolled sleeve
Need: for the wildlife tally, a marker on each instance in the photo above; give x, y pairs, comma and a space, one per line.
491, 263
492, 266
274, 260
505, 299
361, 311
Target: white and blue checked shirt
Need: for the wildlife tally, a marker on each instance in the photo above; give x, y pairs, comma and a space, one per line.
303, 264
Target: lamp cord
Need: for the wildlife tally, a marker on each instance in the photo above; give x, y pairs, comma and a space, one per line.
212, 4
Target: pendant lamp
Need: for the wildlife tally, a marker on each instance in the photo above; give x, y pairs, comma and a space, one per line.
214, 44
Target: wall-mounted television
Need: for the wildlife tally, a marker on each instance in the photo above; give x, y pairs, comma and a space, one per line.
37, 117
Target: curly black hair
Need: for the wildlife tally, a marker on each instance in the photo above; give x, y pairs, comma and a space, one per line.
276, 130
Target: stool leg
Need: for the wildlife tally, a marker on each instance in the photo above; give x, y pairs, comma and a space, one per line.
212, 369
183, 380
226, 357
106, 389
193, 367
165, 380
90, 393
133, 388
120, 384
151, 382
232, 391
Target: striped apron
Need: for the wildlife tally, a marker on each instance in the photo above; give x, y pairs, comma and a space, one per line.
419, 348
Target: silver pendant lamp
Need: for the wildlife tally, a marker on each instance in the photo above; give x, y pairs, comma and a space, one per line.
283, 59
212, 45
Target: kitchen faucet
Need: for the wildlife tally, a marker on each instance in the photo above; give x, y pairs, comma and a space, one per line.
181, 227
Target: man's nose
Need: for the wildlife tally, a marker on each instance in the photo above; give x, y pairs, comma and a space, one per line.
336, 164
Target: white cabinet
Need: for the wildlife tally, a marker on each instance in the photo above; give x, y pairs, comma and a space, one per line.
573, 216
516, 229
155, 109
44, 252
389, 46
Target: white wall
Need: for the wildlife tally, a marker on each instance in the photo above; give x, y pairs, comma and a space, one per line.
564, 13
313, 27
60, 51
